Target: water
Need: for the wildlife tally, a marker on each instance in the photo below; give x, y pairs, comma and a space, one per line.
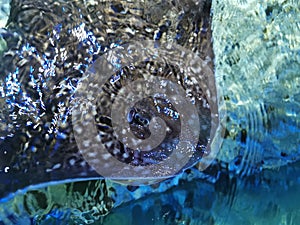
249, 91
265, 54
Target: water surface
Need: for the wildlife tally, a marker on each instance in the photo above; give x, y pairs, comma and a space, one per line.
46, 48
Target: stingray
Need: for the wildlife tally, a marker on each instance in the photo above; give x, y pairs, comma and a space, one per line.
48, 56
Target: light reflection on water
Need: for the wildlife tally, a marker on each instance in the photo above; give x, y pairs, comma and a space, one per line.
256, 49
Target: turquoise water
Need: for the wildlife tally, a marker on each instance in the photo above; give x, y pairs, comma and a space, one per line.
249, 78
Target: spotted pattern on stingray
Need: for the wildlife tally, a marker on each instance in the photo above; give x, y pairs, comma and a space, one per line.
50, 44
151, 106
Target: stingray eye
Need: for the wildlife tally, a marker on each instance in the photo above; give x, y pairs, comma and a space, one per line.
141, 120
130, 115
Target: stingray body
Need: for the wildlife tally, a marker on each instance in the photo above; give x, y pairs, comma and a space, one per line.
48, 59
